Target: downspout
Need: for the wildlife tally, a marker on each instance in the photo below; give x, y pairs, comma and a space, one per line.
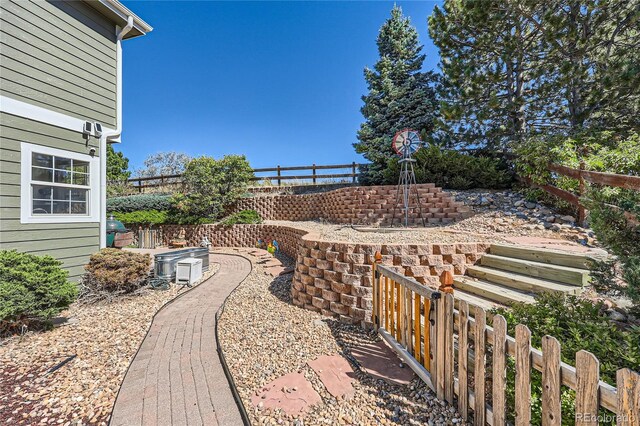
113, 135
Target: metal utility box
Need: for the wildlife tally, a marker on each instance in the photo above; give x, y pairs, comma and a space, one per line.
165, 263
188, 271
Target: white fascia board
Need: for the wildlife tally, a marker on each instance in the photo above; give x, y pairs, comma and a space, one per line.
43, 115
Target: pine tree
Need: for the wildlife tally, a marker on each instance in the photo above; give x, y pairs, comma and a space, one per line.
488, 51
516, 68
592, 62
400, 95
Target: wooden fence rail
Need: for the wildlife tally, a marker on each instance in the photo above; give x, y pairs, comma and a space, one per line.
582, 175
141, 183
424, 327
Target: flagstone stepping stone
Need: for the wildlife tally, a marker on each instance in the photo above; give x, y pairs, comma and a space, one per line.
288, 270
336, 375
270, 262
274, 271
379, 361
292, 393
259, 252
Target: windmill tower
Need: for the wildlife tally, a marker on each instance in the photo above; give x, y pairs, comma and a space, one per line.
405, 143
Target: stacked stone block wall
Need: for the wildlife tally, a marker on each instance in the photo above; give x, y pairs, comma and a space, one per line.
370, 205
335, 278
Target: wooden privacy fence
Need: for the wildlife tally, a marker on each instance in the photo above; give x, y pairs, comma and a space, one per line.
149, 238
449, 349
582, 175
142, 183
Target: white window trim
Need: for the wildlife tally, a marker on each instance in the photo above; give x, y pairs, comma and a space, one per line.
26, 215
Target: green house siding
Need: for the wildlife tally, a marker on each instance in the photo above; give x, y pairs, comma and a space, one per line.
72, 243
60, 56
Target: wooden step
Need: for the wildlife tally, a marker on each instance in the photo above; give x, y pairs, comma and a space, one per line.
563, 274
554, 257
475, 300
521, 282
488, 290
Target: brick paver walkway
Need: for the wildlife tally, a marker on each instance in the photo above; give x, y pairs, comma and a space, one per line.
176, 378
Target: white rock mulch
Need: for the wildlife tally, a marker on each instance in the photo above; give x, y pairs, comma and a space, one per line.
103, 337
264, 337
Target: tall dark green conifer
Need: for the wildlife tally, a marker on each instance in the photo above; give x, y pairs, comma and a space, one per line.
400, 95
516, 68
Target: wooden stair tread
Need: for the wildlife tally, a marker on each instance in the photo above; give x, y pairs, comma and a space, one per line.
520, 282
492, 291
544, 255
475, 300
564, 274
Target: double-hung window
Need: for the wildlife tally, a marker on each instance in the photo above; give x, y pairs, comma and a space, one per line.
58, 186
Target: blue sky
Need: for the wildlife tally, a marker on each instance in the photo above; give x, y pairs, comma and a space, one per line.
277, 81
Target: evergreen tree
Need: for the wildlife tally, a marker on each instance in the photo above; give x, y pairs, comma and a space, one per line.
400, 95
489, 51
592, 63
117, 166
516, 68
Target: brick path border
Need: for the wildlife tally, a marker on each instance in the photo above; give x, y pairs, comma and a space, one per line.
196, 389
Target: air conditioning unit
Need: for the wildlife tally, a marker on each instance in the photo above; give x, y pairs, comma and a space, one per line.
188, 271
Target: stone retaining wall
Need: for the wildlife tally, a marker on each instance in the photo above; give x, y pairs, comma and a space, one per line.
371, 205
334, 278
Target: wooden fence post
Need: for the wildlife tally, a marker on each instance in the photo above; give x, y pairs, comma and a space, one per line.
279, 181
523, 375
628, 383
587, 378
499, 370
439, 353
551, 410
479, 367
449, 351
140, 185
313, 168
463, 357
353, 170
581, 189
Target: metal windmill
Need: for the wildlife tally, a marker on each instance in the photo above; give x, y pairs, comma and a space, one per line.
405, 143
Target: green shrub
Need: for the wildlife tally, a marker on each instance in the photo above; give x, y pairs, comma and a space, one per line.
212, 186
577, 324
112, 272
136, 202
142, 217
454, 170
242, 217
600, 151
620, 236
33, 289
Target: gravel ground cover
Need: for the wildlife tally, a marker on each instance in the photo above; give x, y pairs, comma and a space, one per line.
103, 337
264, 337
497, 215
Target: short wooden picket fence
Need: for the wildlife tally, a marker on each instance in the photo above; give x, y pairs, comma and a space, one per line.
424, 327
149, 238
